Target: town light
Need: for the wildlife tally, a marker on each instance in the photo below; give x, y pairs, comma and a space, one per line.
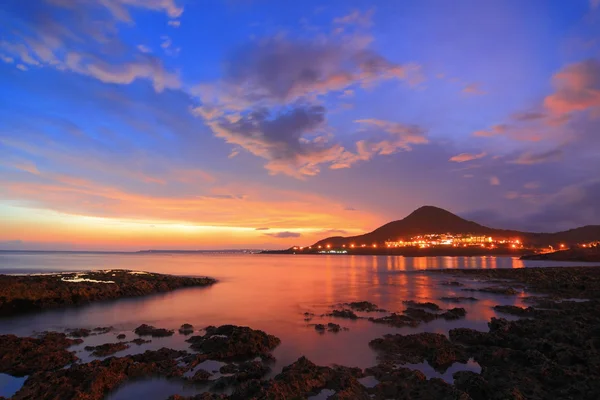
328, 246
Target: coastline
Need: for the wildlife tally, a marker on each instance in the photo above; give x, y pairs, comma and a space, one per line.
549, 352
20, 294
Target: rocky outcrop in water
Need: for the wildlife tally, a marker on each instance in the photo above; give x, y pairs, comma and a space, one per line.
149, 330
21, 294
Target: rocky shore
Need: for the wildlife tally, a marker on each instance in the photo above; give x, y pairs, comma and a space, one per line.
27, 293
552, 351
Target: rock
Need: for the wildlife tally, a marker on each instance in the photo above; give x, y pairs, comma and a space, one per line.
94, 380
407, 384
140, 341
230, 342
434, 348
343, 314
102, 330
301, 380
320, 328
121, 336
427, 305
201, 376
363, 306
330, 327
106, 349
21, 294
79, 332
149, 330
397, 320
419, 315
495, 290
458, 299
186, 329
20, 356
454, 313
241, 373
515, 310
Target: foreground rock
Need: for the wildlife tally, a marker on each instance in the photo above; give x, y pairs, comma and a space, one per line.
414, 316
363, 306
21, 294
20, 356
330, 327
149, 330
427, 305
230, 342
434, 348
106, 349
348, 314
94, 380
186, 329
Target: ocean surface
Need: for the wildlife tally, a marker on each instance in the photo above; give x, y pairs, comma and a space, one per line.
268, 292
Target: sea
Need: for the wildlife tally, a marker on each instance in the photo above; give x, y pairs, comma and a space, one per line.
268, 292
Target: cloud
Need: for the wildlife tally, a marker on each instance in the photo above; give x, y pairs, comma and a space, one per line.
495, 130
284, 235
532, 185
473, 88
330, 232
356, 18
74, 36
144, 49
529, 158
577, 88
349, 209
528, 116
464, 157
262, 229
22, 67
594, 4
494, 181
174, 23
7, 59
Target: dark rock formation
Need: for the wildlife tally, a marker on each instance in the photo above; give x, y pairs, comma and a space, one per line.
106, 349
149, 330
349, 314
364, 306
140, 341
427, 305
20, 356
495, 290
515, 310
121, 336
21, 294
230, 342
330, 327
201, 376
186, 329
451, 283
434, 348
458, 299
454, 313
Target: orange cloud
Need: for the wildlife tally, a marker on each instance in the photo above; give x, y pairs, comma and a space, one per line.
464, 157
577, 88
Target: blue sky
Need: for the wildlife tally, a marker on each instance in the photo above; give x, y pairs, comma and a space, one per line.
132, 124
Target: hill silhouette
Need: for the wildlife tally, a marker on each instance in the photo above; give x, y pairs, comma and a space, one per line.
431, 220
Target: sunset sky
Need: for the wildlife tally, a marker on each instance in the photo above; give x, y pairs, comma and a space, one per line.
211, 124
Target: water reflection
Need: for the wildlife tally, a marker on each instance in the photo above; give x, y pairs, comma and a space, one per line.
270, 293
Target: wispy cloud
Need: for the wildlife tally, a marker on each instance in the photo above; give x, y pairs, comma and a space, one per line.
464, 157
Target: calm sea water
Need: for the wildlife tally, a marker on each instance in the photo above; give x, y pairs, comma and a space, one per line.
268, 292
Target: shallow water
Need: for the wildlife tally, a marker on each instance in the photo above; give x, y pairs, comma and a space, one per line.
268, 292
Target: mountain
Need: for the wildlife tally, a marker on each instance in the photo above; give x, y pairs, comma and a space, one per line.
430, 219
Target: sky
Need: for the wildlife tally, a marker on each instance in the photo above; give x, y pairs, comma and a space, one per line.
220, 124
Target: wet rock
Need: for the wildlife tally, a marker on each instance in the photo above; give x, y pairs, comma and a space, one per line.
186, 329
201, 376
301, 380
308, 316
201, 396
21, 294
149, 330
121, 336
509, 291
94, 380
106, 349
364, 306
434, 348
242, 373
515, 310
102, 330
427, 305
454, 313
20, 356
407, 384
458, 299
349, 314
397, 320
330, 327
420, 315
79, 332
230, 342
140, 341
